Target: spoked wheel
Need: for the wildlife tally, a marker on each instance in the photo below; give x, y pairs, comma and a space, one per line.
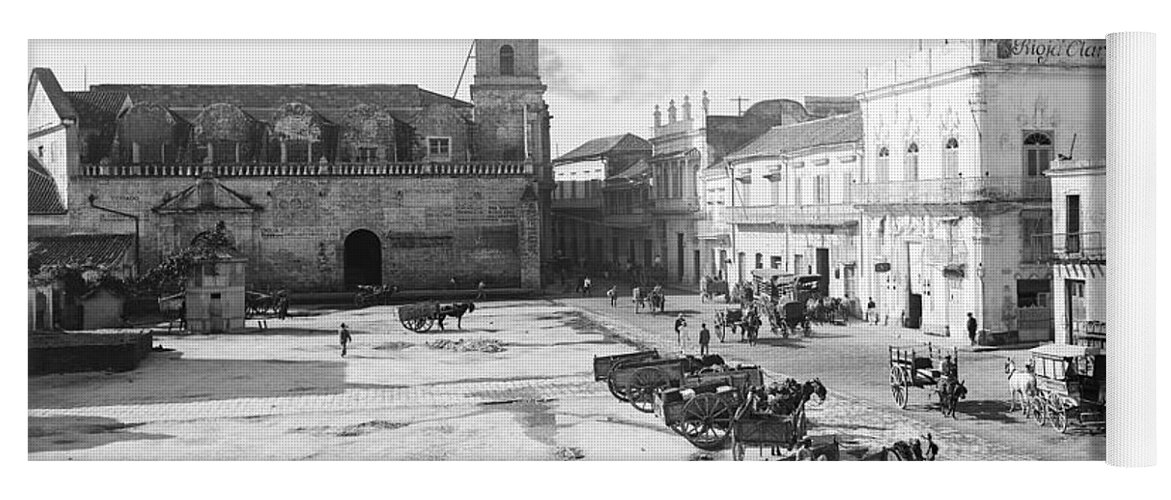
1037, 409
418, 325
1060, 420
612, 383
641, 391
708, 420
898, 387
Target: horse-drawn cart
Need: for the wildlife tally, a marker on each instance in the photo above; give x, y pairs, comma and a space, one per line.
701, 409
373, 295
419, 318
917, 366
641, 379
729, 318
1070, 380
603, 365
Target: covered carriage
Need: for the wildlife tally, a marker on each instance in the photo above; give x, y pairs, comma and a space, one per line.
1071, 383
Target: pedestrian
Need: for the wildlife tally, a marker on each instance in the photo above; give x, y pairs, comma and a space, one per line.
480, 293
679, 324
452, 283
972, 328
871, 311
344, 337
585, 286
705, 338
613, 294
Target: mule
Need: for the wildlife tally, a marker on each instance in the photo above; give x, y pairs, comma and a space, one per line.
457, 310
1022, 384
950, 393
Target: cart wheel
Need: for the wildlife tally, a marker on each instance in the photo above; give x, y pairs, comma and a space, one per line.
418, 325
708, 419
612, 383
898, 387
641, 391
1060, 420
1038, 410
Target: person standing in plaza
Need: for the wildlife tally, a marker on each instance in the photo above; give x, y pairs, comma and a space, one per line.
972, 328
344, 337
480, 293
585, 286
613, 294
705, 338
871, 311
679, 324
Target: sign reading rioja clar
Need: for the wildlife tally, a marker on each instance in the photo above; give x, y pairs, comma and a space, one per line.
1046, 52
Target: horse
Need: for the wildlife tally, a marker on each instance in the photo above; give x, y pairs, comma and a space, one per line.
639, 298
457, 310
709, 362
1020, 383
950, 393
903, 451
658, 300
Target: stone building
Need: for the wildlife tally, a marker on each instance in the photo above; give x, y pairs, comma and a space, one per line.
788, 201
323, 187
590, 187
1079, 251
953, 189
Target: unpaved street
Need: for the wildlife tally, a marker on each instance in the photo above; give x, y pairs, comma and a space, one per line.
286, 393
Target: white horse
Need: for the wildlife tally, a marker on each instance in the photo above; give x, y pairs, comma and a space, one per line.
1022, 384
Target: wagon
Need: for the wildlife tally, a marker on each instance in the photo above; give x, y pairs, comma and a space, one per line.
418, 318
765, 430
640, 379
701, 413
916, 366
604, 364
258, 303
728, 318
713, 287
372, 295
1071, 381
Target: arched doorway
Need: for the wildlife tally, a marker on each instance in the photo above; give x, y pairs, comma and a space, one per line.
363, 259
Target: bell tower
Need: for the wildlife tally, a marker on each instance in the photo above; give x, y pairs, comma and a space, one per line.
512, 119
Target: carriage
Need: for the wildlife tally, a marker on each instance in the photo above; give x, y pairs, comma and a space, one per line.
1070, 380
787, 318
655, 298
262, 304
421, 317
765, 430
604, 364
916, 366
373, 295
711, 287
701, 408
173, 308
728, 318
638, 380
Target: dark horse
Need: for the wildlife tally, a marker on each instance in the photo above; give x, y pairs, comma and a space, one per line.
457, 310
785, 399
950, 393
692, 364
903, 451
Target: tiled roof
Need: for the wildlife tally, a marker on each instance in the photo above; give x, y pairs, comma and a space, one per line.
788, 138
318, 97
598, 147
102, 249
47, 81
97, 107
43, 197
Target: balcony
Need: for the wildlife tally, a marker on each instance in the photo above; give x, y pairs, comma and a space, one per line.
474, 169
1076, 248
592, 203
675, 205
1090, 333
800, 215
954, 191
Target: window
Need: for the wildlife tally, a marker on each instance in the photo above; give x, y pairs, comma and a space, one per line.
775, 262
759, 261
439, 146
951, 158
41, 152
882, 166
506, 60
775, 186
1073, 223
1035, 226
367, 155
1038, 149
797, 191
820, 189
911, 163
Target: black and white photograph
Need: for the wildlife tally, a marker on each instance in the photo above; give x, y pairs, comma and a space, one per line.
499, 249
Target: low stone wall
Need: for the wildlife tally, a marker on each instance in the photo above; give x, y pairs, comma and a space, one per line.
83, 352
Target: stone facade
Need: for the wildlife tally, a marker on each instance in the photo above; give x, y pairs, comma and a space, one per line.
1079, 250
324, 187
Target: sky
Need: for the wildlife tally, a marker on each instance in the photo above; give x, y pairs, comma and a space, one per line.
596, 88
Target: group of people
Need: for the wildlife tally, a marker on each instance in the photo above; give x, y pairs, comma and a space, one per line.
682, 339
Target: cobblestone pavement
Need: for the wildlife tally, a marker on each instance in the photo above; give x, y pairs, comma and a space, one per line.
852, 362
286, 394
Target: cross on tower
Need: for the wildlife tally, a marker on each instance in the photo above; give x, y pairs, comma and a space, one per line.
739, 105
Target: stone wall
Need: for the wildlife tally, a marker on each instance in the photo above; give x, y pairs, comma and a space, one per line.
431, 228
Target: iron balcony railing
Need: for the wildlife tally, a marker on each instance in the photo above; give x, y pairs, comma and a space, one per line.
830, 215
954, 190
1081, 247
313, 169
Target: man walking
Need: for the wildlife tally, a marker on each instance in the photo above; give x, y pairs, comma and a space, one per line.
679, 324
585, 286
972, 328
344, 337
705, 338
871, 311
480, 294
613, 294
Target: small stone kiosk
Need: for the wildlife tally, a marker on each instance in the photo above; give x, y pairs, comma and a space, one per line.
215, 295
